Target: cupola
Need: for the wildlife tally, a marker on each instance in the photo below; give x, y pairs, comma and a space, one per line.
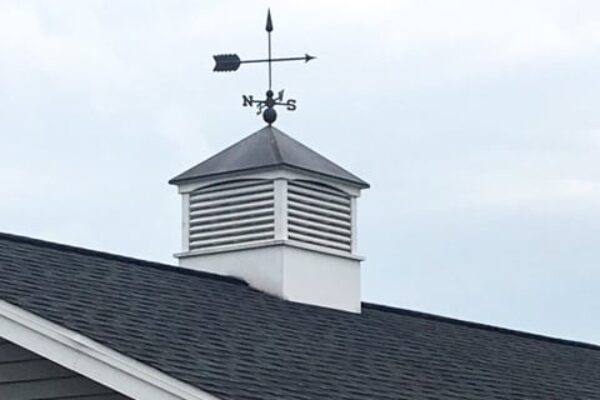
276, 214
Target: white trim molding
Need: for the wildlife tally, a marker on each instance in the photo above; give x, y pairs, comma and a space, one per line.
281, 210
267, 243
92, 359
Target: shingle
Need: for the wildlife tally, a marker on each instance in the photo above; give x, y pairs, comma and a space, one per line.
224, 337
268, 148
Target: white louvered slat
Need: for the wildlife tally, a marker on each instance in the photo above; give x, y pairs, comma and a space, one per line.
320, 226
328, 205
319, 215
344, 239
321, 242
297, 214
254, 237
222, 186
318, 187
223, 211
210, 218
231, 192
231, 213
231, 232
207, 227
319, 195
319, 211
229, 201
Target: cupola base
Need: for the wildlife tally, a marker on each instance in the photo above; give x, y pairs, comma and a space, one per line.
291, 271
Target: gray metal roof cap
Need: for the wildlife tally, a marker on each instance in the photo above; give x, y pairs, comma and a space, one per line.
266, 149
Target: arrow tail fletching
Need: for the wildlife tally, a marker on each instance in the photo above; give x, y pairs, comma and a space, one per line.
226, 62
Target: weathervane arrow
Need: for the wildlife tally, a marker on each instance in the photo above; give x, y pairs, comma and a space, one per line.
232, 62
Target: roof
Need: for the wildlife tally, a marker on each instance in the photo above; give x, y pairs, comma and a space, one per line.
230, 340
268, 148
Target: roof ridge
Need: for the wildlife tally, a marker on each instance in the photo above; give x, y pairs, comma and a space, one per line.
481, 326
275, 144
113, 256
354, 179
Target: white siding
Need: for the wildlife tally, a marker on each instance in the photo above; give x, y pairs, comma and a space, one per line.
27, 376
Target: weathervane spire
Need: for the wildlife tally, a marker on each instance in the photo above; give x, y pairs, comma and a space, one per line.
269, 29
232, 62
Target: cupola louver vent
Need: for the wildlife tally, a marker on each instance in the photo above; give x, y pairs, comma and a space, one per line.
231, 213
319, 215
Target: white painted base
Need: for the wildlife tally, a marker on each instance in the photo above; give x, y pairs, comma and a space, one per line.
288, 271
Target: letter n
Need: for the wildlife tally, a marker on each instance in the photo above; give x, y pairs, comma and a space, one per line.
248, 100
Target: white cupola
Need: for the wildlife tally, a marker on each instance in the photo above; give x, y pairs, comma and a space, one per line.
276, 214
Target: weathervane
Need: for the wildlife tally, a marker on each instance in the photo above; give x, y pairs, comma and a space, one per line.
231, 62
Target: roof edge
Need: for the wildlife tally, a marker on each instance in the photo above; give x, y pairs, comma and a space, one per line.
361, 185
481, 326
115, 257
92, 359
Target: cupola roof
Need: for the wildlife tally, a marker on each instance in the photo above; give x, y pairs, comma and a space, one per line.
265, 149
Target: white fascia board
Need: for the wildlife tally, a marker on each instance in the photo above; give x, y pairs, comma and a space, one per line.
91, 359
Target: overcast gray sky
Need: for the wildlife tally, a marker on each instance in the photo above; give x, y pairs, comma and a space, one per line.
476, 122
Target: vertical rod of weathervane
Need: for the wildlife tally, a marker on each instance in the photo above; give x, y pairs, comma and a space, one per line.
270, 61
269, 29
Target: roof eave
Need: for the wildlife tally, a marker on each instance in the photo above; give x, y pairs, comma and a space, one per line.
358, 183
91, 359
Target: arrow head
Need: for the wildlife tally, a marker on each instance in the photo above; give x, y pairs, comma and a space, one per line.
269, 26
308, 57
226, 62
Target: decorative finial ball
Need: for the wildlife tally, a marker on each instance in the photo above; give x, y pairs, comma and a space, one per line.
270, 93
269, 115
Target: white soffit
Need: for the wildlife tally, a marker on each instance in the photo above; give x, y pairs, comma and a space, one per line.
91, 359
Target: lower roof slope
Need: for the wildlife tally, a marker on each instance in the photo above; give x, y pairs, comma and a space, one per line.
237, 343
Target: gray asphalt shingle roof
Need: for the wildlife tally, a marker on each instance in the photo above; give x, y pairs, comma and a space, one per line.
237, 343
266, 149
